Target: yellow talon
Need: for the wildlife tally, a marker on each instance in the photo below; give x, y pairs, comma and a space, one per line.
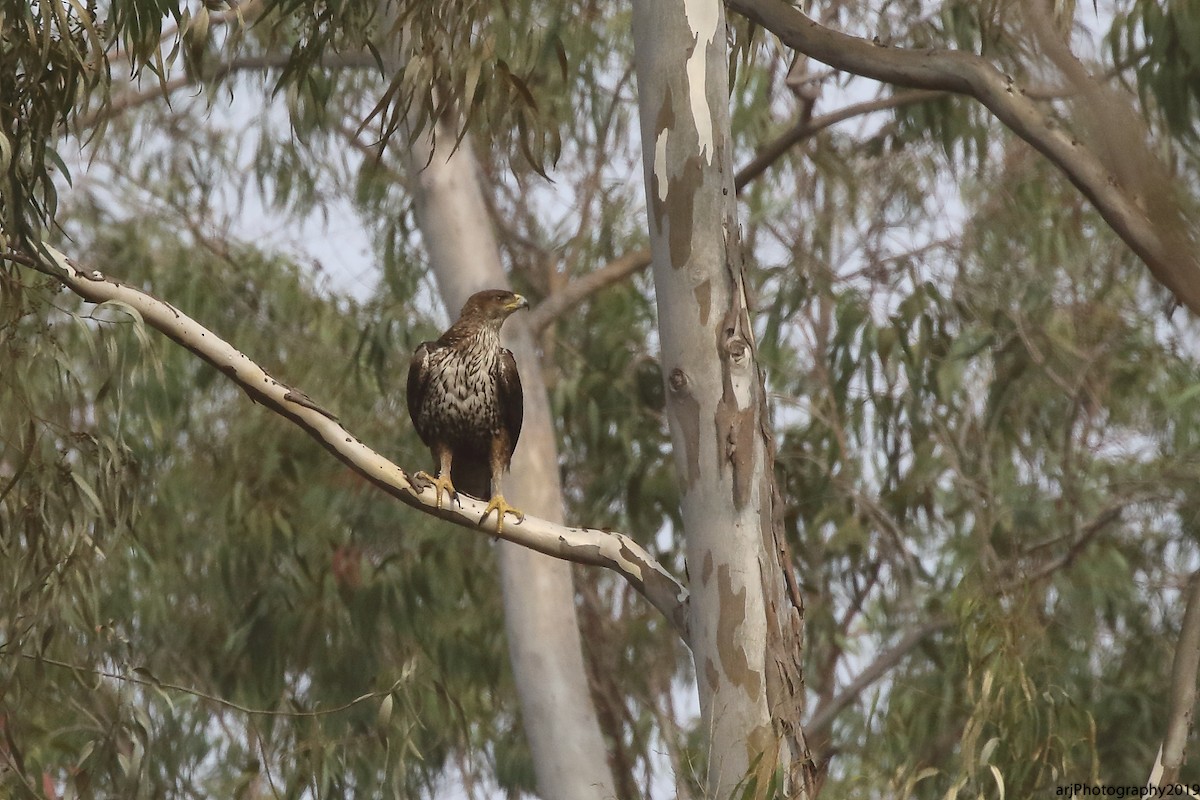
501, 507
440, 484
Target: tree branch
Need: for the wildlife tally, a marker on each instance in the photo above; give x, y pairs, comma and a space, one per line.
1089, 532
1117, 173
615, 551
585, 286
1183, 692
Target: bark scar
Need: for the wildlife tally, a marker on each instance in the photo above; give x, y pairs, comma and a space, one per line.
736, 419
687, 417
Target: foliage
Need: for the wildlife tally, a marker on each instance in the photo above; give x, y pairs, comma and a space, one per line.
993, 444
1162, 42
505, 67
274, 582
985, 420
48, 57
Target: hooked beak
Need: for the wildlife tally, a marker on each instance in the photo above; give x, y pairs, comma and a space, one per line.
519, 301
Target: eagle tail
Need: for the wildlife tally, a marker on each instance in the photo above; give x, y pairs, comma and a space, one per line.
472, 475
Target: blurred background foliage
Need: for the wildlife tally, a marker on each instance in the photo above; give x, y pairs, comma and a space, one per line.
986, 412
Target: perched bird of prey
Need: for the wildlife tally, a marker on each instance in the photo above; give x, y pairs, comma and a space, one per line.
464, 397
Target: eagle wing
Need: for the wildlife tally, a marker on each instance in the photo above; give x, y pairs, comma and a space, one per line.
510, 397
418, 386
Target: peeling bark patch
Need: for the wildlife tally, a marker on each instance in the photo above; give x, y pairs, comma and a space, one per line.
711, 675
733, 654
655, 583
681, 203
703, 294
736, 430
666, 114
704, 19
657, 206
687, 416
707, 570
658, 185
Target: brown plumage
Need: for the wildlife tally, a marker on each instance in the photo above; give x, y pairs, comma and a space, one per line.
464, 397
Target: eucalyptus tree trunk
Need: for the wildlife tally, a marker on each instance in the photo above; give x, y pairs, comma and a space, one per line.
744, 629
570, 758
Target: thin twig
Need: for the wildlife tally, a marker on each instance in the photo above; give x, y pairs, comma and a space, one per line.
188, 690
134, 98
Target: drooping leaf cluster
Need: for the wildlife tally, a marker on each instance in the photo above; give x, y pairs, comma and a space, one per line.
1161, 41
49, 63
505, 65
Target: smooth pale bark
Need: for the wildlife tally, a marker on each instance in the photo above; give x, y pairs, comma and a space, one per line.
744, 633
539, 594
1182, 710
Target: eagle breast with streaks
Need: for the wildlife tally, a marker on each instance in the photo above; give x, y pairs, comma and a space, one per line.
462, 397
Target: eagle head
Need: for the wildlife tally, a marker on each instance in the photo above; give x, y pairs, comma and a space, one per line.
493, 305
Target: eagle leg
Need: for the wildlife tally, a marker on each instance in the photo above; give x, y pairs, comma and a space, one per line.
442, 482
501, 507
498, 503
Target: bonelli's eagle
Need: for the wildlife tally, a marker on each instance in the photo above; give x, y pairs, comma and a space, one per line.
464, 397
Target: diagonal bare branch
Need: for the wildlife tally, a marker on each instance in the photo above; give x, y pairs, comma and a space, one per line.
823, 716
585, 286
603, 548
808, 127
